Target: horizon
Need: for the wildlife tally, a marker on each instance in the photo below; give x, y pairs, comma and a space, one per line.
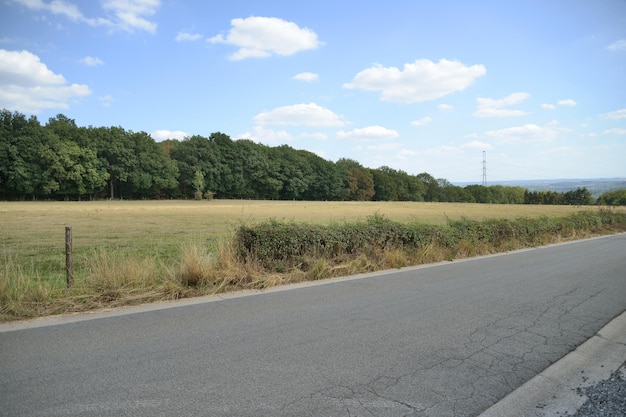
416, 86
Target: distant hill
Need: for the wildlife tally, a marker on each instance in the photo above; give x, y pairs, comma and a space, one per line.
596, 186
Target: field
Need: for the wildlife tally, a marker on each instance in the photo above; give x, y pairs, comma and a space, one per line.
32, 233
116, 240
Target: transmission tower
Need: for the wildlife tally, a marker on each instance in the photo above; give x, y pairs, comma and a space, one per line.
485, 168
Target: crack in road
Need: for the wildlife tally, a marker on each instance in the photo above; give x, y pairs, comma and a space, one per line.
496, 357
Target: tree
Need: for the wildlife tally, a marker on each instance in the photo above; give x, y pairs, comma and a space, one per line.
20, 169
613, 198
325, 181
198, 184
358, 179
154, 174
432, 192
578, 197
69, 170
385, 184
260, 170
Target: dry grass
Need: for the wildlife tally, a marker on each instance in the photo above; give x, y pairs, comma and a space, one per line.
130, 252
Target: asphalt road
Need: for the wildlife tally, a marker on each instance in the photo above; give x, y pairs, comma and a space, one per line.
444, 340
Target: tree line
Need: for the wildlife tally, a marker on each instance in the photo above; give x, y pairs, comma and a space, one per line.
60, 160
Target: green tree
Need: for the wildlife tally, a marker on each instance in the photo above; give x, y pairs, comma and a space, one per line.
613, 198
198, 184
325, 179
433, 191
69, 170
20, 169
578, 197
153, 174
385, 184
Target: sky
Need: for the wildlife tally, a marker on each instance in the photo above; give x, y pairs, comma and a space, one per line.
536, 87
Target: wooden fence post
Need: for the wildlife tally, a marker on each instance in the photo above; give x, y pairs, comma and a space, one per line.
69, 263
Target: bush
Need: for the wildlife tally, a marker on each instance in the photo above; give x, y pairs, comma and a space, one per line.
279, 246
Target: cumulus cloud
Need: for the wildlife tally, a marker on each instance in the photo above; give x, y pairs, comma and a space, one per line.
267, 136
548, 106
310, 114
370, 133
615, 115
568, 102
419, 81
619, 45
306, 76
422, 122
27, 85
260, 37
127, 15
528, 133
187, 37
445, 107
160, 135
488, 107
91, 61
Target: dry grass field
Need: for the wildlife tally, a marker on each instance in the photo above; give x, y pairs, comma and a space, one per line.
116, 240
33, 232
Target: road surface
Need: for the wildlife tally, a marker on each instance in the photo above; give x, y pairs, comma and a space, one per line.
443, 340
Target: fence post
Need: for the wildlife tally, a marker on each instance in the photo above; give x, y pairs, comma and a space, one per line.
69, 263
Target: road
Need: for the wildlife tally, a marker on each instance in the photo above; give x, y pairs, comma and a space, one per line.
443, 340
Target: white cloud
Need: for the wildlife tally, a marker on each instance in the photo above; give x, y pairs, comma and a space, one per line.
475, 144
548, 106
616, 131
488, 107
614, 115
443, 150
619, 45
127, 15
160, 135
306, 76
187, 37
419, 81
383, 147
370, 133
422, 122
528, 133
445, 107
568, 102
259, 37
91, 61
314, 135
310, 114
59, 7
28, 86
106, 100
267, 136
131, 14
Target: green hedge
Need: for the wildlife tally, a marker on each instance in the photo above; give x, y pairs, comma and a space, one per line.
287, 242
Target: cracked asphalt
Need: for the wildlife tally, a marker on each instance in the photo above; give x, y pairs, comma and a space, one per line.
449, 339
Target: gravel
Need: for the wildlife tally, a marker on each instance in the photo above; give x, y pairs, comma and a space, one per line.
605, 399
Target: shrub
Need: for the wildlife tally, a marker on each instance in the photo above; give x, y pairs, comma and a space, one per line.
282, 246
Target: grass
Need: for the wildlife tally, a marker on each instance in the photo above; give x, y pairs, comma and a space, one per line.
129, 252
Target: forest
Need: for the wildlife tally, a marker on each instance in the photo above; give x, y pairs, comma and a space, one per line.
63, 161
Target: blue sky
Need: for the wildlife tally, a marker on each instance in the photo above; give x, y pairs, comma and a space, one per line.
420, 86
